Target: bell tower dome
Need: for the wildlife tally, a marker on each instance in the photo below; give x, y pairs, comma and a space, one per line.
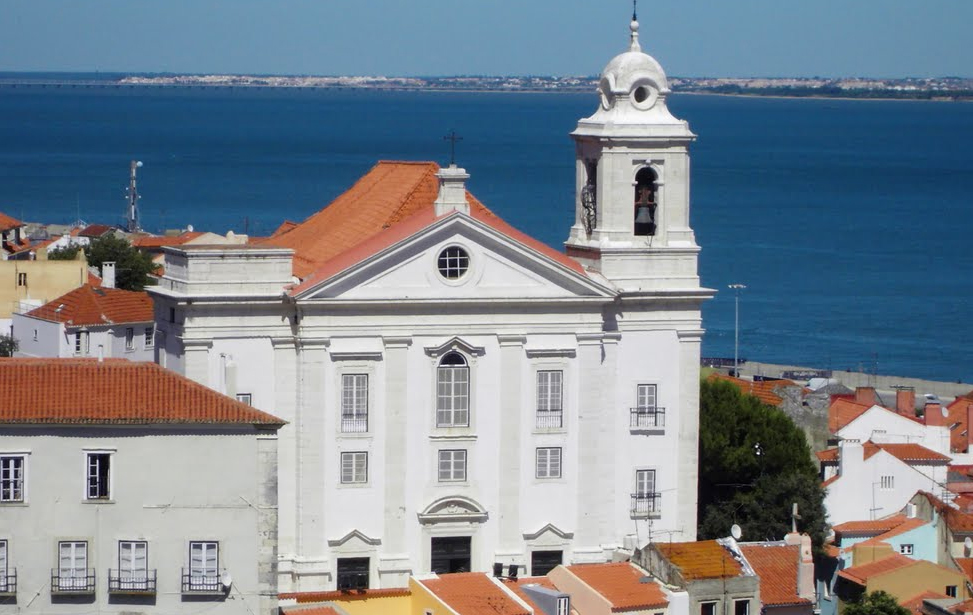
632, 180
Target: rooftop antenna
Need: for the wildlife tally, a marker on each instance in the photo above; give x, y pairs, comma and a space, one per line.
635, 10
452, 137
132, 215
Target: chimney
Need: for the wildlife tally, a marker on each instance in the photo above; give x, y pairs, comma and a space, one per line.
101, 353
851, 456
108, 275
805, 564
452, 191
934, 414
905, 401
865, 395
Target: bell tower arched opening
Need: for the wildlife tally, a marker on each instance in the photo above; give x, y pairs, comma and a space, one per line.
646, 201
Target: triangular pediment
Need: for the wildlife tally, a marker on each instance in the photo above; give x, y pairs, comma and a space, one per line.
353, 537
497, 267
549, 531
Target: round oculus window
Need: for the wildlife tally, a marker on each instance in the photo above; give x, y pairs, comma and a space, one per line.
453, 263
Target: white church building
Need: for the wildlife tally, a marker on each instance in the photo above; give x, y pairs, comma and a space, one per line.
457, 393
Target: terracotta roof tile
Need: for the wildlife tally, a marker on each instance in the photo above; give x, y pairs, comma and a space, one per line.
843, 411
93, 280
157, 241
706, 559
957, 416
777, 567
345, 596
95, 230
827, 482
956, 520
907, 452
860, 574
914, 603
89, 306
620, 585
7, 223
966, 566
473, 593
873, 527
312, 610
113, 391
962, 607
902, 528
765, 390
829, 455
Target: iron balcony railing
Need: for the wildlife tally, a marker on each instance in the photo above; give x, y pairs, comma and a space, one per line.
354, 423
550, 419
129, 582
8, 583
353, 580
73, 581
653, 416
645, 504
202, 582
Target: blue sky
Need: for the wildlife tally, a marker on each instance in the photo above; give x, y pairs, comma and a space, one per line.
880, 38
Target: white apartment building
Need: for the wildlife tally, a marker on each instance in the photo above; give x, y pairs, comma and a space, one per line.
457, 393
127, 488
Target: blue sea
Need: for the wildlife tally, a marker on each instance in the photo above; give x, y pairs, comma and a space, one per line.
849, 222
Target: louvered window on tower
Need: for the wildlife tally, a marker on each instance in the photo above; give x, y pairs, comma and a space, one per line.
645, 202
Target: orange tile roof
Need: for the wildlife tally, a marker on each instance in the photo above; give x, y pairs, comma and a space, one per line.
777, 567
764, 390
113, 391
902, 528
620, 584
93, 280
157, 241
313, 610
827, 482
914, 603
473, 593
828, 455
345, 596
95, 230
907, 452
966, 566
89, 306
860, 574
363, 220
957, 416
7, 223
706, 559
874, 527
956, 520
843, 411
962, 607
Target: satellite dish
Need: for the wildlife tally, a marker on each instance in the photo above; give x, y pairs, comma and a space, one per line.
226, 580
736, 532
945, 411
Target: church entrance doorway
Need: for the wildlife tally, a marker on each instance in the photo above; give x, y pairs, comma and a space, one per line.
451, 554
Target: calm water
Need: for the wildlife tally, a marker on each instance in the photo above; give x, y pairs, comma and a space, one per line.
848, 221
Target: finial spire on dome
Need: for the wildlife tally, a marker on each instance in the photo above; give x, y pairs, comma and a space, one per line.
634, 27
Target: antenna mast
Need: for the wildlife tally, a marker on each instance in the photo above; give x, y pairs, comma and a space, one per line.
132, 214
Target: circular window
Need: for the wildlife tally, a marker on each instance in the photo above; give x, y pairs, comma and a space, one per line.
641, 93
453, 263
644, 97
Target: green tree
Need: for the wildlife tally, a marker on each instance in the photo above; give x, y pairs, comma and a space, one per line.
64, 253
754, 464
8, 346
132, 268
875, 603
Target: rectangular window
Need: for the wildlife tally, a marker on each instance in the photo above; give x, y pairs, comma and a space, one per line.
246, 398
452, 465
133, 565
548, 463
354, 467
149, 339
741, 607
99, 476
12, 478
645, 397
35, 335
72, 567
81, 342
906, 549
352, 573
646, 500
888, 482
951, 591
542, 562
21, 279
707, 608
129, 338
563, 606
354, 403
4, 585
549, 394
204, 567
453, 392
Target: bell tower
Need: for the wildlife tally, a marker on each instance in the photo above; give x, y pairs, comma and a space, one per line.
632, 181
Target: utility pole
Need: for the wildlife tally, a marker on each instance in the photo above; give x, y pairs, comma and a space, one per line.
132, 215
736, 328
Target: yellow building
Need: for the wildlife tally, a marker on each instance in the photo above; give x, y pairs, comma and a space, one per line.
35, 282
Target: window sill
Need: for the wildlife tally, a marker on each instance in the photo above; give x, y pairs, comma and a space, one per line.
97, 501
647, 431
453, 437
453, 483
652, 515
355, 435
544, 431
13, 503
363, 485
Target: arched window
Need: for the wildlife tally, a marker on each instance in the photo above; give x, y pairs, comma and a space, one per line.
646, 203
453, 391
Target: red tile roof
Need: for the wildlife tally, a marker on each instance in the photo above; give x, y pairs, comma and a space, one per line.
914, 603
843, 411
363, 220
89, 306
312, 610
765, 390
860, 574
7, 223
95, 230
113, 391
957, 416
706, 559
873, 527
908, 452
364, 594
902, 528
157, 241
962, 607
473, 593
828, 455
966, 566
777, 567
620, 584
956, 520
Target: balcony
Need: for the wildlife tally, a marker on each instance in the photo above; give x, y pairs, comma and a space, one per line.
8, 583
549, 419
349, 581
646, 505
354, 423
73, 581
200, 582
647, 418
127, 582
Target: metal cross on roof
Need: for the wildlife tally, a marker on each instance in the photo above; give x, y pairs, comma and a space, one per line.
452, 137
635, 10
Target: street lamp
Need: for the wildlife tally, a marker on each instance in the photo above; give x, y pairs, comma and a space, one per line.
736, 328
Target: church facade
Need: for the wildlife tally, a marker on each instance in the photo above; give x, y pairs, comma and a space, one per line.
457, 393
